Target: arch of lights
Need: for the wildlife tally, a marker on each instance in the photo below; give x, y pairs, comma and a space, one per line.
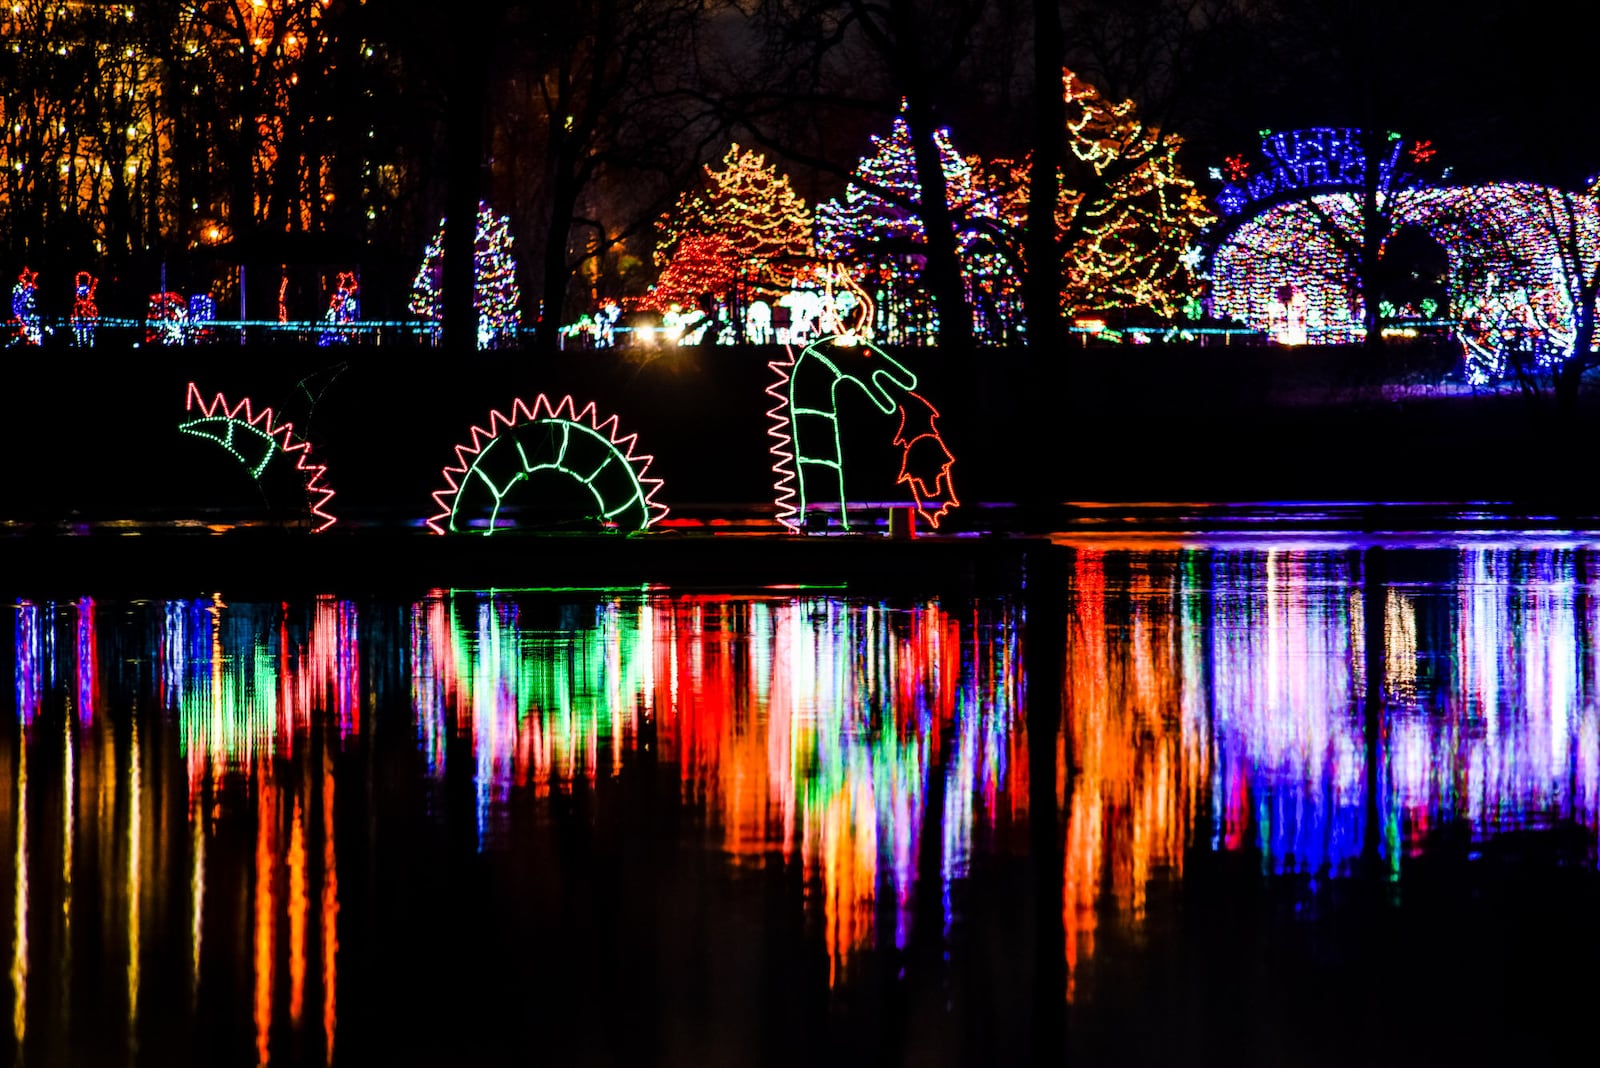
1516, 251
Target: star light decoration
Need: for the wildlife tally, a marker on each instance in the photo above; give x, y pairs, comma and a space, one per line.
606, 444
291, 445
764, 223
496, 296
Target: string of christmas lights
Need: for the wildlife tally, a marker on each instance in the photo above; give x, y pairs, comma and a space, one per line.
496, 296
752, 208
881, 237
254, 438
703, 265
85, 314
25, 309
344, 309
1517, 255
496, 462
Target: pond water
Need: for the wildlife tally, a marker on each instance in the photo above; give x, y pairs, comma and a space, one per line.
1291, 805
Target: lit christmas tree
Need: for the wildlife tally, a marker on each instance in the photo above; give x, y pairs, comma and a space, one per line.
495, 295
866, 221
701, 264
1127, 215
752, 208
877, 229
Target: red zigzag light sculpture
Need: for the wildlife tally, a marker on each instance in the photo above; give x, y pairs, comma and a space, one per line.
318, 493
564, 409
782, 447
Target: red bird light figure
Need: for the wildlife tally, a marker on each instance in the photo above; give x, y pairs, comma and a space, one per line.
925, 461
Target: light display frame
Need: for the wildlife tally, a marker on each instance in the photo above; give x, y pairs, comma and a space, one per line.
602, 436
797, 461
224, 420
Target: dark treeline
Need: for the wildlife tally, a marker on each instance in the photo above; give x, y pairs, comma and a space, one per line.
203, 134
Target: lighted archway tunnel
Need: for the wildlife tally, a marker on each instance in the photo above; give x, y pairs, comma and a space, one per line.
1515, 251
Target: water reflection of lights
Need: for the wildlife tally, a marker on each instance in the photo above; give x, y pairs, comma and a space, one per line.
1213, 701
244, 686
806, 729
1242, 676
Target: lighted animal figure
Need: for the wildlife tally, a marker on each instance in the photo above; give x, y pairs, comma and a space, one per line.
85, 314
343, 309
25, 308
805, 430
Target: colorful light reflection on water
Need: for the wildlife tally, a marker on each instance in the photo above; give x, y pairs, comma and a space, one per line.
190, 784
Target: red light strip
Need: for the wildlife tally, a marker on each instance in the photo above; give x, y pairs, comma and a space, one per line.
318, 492
920, 490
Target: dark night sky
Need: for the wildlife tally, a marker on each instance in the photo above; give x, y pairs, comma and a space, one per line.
1505, 90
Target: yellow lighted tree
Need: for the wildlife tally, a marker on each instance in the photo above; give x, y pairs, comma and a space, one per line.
1127, 215
749, 206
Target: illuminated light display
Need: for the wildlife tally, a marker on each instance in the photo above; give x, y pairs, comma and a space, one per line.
702, 267
165, 319
918, 434
85, 314
202, 313
222, 672
855, 228
1127, 215
25, 309
1302, 162
343, 309
789, 748
806, 445
877, 230
496, 297
751, 206
1139, 769
254, 438
1214, 701
20, 900
520, 449
30, 662
1516, 254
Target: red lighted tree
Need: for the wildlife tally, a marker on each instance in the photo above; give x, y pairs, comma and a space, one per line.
701, 264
